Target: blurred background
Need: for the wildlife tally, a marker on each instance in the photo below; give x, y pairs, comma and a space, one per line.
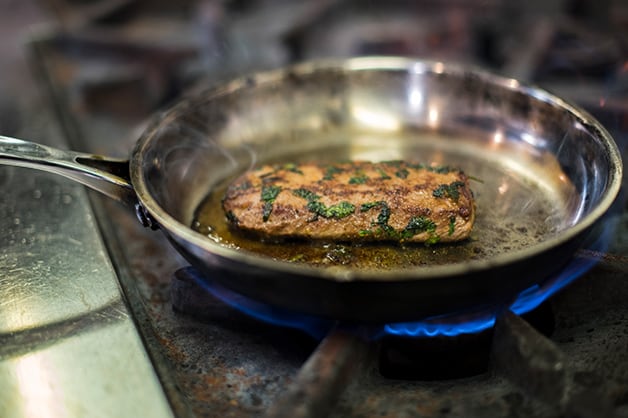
151, 51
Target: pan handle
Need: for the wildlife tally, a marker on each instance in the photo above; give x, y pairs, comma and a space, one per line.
106, 175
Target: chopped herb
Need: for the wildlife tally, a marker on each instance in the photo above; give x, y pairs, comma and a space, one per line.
245, 185
382, 218
292, 167
440, 191
388, 231
267, 209
269, 194
338, 211
402, 173
383, 175
369, 205
440, 169
452, 225
448, 190
384, 215
358, 179
418, 225
434, 239
317, 208
416, 166
305, 194
331, 171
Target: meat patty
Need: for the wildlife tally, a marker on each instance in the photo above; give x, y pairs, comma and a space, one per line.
353, 201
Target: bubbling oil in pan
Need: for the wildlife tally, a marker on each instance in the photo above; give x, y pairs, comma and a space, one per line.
513, 211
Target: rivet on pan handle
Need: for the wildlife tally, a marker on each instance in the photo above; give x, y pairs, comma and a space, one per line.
145, 218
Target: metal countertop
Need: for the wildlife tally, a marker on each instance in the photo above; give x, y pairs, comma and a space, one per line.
68, 343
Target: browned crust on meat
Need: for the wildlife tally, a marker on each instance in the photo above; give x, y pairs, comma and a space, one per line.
353, 201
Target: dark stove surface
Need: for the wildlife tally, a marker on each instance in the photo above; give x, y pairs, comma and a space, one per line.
105, 76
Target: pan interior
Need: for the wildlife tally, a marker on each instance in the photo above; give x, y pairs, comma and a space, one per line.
542, 166
522, 198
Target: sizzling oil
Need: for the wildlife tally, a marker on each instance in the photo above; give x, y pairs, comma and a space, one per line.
512, 212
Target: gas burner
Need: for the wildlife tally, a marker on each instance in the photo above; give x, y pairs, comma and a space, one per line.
191, 289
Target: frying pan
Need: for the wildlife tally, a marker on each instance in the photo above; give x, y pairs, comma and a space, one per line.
546, 170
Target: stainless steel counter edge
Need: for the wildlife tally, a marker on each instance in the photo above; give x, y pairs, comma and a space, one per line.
68, 344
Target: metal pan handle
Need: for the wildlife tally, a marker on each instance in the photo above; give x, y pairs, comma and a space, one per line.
106, 175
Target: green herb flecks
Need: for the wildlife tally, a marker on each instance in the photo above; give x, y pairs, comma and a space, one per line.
402, 173
369, 205
267, 209
452, 225
448, 190
440, 169
292, 167
339, 210
433, 239
359, 178
417, 225
245, 185
417, 166
383, 175
268, 196
306, 194
383, 228
314, 205
384, 214
331, 171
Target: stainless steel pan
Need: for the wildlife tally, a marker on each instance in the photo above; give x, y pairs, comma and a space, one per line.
548, 171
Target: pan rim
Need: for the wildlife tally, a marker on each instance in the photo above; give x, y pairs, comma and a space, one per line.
185, 233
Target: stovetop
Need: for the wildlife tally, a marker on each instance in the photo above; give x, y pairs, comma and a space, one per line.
97, 323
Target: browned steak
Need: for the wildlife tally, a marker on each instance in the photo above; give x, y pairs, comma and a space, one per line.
353, 201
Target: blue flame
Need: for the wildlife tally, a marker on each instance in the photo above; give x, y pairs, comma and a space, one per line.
471, 323
477, 321
449, 325
312, 325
